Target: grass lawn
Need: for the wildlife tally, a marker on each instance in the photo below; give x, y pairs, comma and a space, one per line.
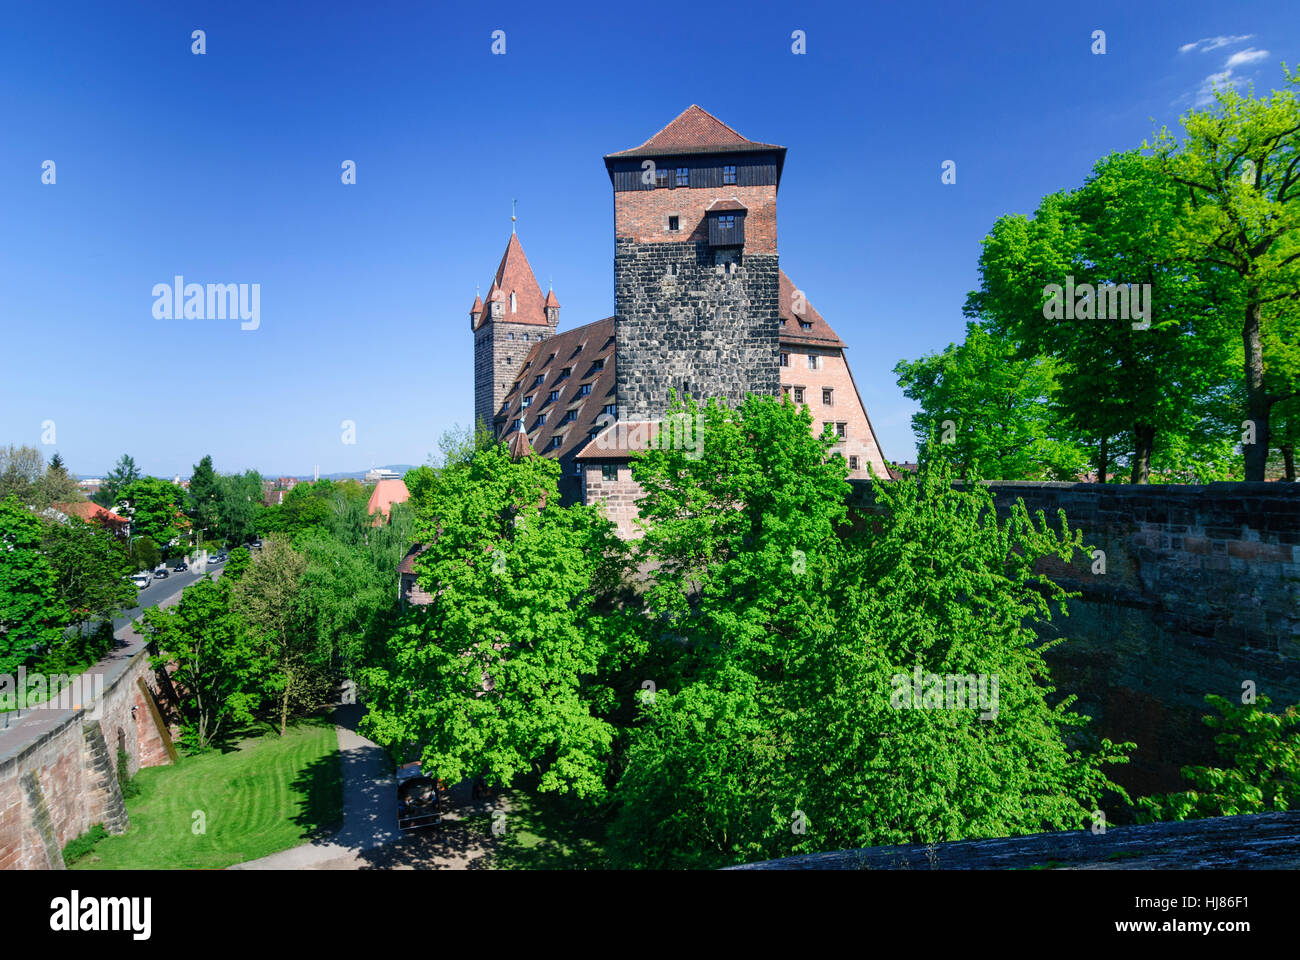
543, 832
266, 794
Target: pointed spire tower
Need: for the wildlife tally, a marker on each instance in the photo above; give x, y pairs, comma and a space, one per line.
506, 325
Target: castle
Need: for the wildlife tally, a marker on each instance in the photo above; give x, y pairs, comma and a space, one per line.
701, 306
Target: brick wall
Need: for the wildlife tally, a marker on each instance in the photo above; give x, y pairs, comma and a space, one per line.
642, 215
1201, 592
618, 496
64, 781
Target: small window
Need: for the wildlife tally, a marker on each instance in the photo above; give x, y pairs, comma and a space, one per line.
812, 361
661, 178
609, 471
584, 390
541, 420
570, 416
611, 409
798, 394
598, 364
519, 424
538, 381
782, 322
565, 372
527, 402
785, 359
726, 221
729, 173
842, 429
553, 396
805, 324
826, 397
555, 443
853, 463
511, 336
592, 434
577, 469
674, 223
683, 176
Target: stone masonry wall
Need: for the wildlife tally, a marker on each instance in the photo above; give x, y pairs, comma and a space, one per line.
499, 352
1201, 593
618, 496
65, 781
686, 324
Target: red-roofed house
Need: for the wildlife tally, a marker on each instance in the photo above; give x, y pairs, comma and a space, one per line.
382, 498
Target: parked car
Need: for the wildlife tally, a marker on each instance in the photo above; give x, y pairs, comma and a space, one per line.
160, 573
255, 545
217, 558
180, 567
142, 580
417, 799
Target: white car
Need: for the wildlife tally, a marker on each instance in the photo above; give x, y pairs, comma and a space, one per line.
142, 580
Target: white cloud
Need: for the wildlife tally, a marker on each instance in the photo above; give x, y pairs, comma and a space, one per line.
1241, 57
1220, 81
1206, 44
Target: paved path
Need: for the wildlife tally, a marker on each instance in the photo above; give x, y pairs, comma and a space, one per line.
18, 728
369, 838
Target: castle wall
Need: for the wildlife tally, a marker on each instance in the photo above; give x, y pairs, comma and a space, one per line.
686, 324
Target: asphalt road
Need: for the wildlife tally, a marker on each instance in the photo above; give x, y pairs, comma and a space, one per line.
159, 592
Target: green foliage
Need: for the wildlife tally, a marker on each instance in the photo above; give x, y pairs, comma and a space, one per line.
776, 731
118, 479
32, 616
204, 497
21, 469
126, 783
82, 846
1002, 425
91, 567
497, 676
154, 507
1263, 750
217, 661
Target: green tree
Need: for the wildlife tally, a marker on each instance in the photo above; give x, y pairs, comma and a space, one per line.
91, 568
32, 617
1146, 375
991, 409
213, 658
1264, 752
154, 507
21, 469
123, 474
498, 676
204, 499
1239, 186
266, 598
240, 497
57, 485
779, 732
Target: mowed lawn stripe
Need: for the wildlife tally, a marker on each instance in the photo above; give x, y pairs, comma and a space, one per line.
270, 794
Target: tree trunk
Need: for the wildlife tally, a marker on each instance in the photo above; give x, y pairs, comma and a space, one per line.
1288, 458
1103, 460
1144, 441
1256, 454
284, 701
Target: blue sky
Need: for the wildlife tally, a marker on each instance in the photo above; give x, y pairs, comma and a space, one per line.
225, 168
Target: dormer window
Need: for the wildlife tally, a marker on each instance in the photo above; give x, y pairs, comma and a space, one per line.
805, 324
555, 443
541, 419
566, 372
598, 364
526, 402
553, 396
570, 416
584, 390
727, 227
538, 382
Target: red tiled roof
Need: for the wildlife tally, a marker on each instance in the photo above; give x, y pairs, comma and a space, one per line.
519, 446
589, 353
820, 334
382, 498
695, 130
408, 562
620, 440
515, 276
550, 299
89, 512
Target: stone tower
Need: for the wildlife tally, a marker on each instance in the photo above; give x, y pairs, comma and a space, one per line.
696, 275
514, 316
